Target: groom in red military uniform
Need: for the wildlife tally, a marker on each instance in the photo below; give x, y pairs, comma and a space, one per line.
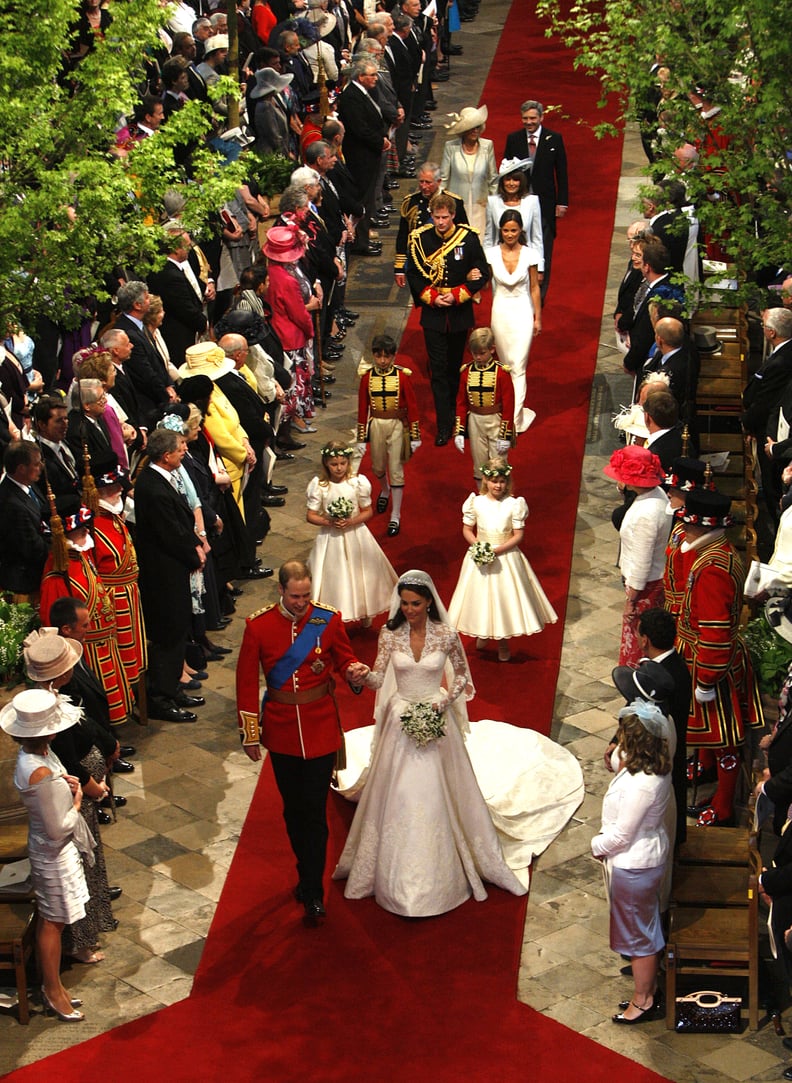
298, 644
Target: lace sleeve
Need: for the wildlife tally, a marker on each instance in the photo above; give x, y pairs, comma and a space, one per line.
376, 675
459, 679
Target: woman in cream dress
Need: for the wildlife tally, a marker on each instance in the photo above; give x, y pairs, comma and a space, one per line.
468, 167
516, 305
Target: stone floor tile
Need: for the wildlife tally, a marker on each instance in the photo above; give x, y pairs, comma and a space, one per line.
740, 1060
154, 850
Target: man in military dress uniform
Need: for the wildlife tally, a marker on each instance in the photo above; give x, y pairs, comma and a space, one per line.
485, 403
725, 697
298, 645
445, 268
388, 416
415, 213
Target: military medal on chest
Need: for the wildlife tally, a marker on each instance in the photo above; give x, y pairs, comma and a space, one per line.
317, 666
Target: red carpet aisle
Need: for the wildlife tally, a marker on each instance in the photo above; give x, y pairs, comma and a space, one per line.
372, 996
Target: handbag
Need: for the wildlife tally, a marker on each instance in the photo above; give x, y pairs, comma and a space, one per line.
707, 1012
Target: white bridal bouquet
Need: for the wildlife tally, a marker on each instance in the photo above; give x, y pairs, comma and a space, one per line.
340, 508
482, 553
423, 723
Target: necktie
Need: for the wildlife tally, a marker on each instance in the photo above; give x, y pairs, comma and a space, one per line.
531, 147
190, 276
640, 295
67, 461
178, 483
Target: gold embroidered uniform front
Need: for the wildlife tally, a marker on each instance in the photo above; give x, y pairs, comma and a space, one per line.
388, 417
485, 409
414, 214
444, 273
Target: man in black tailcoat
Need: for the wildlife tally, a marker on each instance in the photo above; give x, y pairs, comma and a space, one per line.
548, 176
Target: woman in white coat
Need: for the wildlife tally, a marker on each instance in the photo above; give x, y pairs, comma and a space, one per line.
633, 844
468, 167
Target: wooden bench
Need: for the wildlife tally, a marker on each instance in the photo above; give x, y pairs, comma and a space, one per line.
17, 941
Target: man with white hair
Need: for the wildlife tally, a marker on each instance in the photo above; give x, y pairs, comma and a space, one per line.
365, 142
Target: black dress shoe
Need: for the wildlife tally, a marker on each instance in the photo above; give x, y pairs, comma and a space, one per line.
393, 528
214, 648
277, 490
257, 573
290, 445
201, 674
115, 924
183, 700
127, 750
442, 438
172, 714
190, 686
115, 893
787, 1073
390, 185
284, 456
431, 106
123, 767
315, 913
374, 249
103, 817
268, 501
382, 503
348, 314
453, 50
441, 76
116, 799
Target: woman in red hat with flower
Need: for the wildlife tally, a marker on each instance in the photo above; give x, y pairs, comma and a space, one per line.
643, 536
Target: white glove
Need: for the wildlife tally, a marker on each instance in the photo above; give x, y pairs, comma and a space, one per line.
704, 695
414, 445
502, 447
440, 704
360, 449
459, 443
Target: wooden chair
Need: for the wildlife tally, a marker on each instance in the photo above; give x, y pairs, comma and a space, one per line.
717, 846
17, 939
700, 936
709, 886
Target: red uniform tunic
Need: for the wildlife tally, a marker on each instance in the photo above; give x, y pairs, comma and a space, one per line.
486, 390
676, 570
304, 729
116, 562
387, 394
101, 645
708, 639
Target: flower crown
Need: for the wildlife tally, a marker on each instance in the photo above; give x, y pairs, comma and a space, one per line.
329, 450
496, 471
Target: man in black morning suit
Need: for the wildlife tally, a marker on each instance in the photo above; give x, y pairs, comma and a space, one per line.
144, 366
182, 297
365, 140
61, 470
24, 544
548, 176
764, 393
445, 267
168, 549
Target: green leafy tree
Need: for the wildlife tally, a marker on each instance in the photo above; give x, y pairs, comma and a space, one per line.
739, 54
71, 209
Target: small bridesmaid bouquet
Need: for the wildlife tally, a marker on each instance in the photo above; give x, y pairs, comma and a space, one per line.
482, 554
423, 723
340, 508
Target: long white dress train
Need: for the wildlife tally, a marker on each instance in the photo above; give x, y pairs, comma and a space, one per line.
424, 839
512, 322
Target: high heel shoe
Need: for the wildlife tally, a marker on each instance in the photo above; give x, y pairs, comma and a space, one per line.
647, 1014
72, 1017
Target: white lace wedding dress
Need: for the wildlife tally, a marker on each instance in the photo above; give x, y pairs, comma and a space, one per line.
422, 841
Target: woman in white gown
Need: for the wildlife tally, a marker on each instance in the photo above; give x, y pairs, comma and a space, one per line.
350, 571
422, 840
516, 305
512, 195
503, 598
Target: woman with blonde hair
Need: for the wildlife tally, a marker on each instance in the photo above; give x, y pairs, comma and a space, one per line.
468, 166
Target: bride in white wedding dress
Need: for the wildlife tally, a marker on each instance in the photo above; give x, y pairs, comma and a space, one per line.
423, 840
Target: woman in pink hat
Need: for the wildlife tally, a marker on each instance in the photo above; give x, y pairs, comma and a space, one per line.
293, 299
643, 536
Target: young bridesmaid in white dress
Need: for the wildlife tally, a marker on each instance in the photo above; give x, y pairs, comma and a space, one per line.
350, 571
497, 595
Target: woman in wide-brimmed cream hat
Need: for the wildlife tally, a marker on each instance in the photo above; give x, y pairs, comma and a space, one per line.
468, 168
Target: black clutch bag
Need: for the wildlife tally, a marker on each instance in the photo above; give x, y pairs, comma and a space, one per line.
707, 1012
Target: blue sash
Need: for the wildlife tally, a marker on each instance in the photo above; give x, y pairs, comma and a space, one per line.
312, 632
